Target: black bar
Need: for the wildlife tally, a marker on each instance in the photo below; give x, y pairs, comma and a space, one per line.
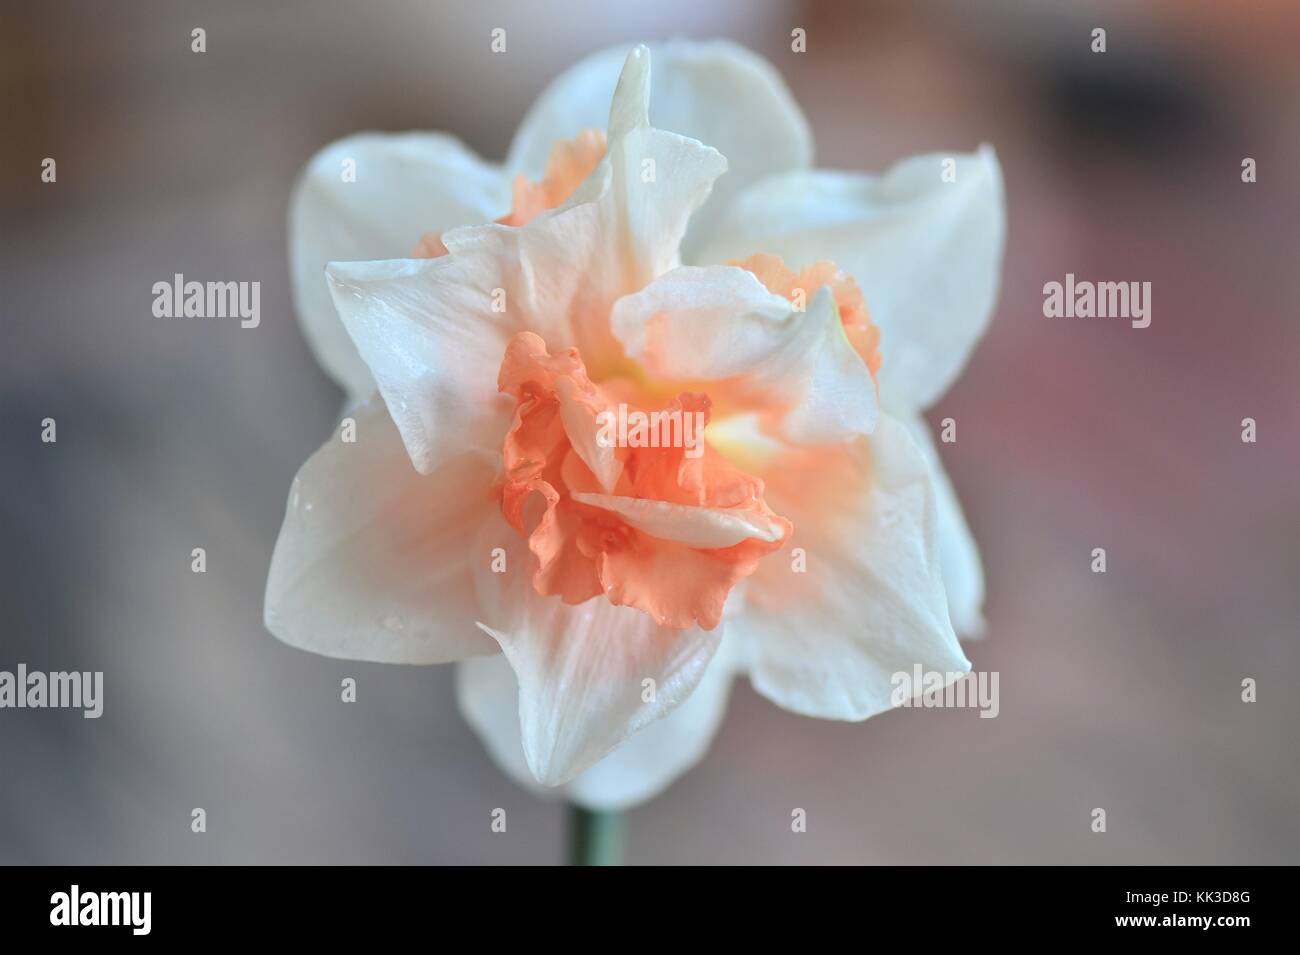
212, 904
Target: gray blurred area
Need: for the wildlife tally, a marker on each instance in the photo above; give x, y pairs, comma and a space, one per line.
1119, 691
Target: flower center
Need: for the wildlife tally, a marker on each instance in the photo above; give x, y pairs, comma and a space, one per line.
646, 513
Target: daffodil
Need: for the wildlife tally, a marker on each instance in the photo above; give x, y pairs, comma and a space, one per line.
489, 323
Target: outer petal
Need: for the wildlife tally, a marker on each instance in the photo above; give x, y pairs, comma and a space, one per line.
406, 184
428, 331
963, 574
646, 765
433, 331
373, 560
633, 773
720, 323
926, 253
716, 92
827, 641
581, 668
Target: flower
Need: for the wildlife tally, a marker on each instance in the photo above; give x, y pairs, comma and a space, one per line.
600, 595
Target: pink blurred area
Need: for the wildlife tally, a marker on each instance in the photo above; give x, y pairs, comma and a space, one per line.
1120, 691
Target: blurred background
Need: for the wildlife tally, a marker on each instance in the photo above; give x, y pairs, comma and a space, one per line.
1119, 690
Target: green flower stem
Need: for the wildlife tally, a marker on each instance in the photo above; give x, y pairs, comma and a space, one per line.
595, 838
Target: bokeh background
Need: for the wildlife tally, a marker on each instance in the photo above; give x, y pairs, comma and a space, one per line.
1119, 690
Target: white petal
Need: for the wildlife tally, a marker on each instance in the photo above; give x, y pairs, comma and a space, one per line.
428, 332
926, 253
581, 672
488, 696
373, 560
701, 323
654, 758
635, 772
581, 669
406, 184
708, 527
645, 190
871, 601
583, 429
434, 331
963, 574
721, 323
716, 92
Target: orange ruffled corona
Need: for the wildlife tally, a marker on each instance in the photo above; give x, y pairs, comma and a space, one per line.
656, 528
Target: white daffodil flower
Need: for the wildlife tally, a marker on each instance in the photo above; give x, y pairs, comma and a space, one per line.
601, 586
